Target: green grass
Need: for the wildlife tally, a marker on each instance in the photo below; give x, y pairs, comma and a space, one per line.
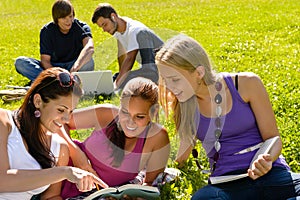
262, 36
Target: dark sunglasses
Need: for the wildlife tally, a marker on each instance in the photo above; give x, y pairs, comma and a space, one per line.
65, 80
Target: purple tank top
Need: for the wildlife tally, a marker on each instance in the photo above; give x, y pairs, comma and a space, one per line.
98, 150
239, 131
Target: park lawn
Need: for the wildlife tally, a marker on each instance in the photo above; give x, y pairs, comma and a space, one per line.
261, 36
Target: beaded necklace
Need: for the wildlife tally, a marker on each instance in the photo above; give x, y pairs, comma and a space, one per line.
218, 123
217, 132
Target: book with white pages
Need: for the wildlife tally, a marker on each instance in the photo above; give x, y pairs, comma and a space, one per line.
264, 149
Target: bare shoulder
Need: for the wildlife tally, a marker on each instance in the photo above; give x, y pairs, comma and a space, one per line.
245, 78
157, 130
158, 135
249, 84
250, 81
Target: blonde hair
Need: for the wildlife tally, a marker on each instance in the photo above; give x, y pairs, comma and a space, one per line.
185, 53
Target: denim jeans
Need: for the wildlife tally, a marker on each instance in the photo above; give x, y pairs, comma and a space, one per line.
278, 184
31, 68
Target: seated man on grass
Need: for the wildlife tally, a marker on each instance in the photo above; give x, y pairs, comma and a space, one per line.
66, 42
136, 42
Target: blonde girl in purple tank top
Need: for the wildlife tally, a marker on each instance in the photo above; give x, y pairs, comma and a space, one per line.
231, 115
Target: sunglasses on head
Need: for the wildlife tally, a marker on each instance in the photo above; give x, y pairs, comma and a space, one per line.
65, 80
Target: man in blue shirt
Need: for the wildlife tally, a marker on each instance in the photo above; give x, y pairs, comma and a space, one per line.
66, 42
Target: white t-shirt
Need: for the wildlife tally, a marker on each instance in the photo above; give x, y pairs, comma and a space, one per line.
128, 38
19, 158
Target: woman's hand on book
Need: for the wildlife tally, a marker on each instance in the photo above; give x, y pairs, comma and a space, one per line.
84, 180
261, 166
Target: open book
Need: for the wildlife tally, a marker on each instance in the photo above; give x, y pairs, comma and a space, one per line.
264, 149
133, 190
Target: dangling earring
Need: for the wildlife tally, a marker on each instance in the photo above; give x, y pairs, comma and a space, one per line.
37, 113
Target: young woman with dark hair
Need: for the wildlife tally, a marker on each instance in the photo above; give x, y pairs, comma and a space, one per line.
33, 155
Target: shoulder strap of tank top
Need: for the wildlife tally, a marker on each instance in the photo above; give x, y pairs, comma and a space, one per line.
237, 82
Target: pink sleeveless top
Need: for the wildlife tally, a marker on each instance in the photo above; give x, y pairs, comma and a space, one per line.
98, 150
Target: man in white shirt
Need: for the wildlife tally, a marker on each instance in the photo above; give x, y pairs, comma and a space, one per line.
136, 42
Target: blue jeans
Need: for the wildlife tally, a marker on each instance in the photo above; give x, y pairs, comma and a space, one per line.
31, 68
278, 184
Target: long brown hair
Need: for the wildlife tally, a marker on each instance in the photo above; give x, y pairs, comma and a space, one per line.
29, 125
136, 87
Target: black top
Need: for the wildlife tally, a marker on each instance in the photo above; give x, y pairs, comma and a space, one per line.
63, 47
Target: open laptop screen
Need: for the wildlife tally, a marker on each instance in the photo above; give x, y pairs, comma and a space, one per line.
96, 82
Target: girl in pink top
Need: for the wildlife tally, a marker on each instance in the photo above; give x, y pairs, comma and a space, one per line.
125, 140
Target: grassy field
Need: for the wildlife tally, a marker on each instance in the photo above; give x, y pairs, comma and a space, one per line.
262, 36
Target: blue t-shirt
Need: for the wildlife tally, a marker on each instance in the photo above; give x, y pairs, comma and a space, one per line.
63, 47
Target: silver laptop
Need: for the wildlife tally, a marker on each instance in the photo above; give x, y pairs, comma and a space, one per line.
96, 82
